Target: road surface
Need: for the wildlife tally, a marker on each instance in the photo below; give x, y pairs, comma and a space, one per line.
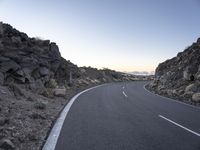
124, 116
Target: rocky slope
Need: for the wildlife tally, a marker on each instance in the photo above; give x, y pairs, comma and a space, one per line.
35, 84
179, 77
32, 76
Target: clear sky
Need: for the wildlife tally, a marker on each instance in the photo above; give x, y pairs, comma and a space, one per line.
125, 35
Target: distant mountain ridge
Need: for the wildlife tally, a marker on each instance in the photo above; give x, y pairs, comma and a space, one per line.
143, 73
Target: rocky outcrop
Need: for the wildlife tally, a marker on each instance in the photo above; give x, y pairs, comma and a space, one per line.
31, 61
180, 74
60, 91
196, 97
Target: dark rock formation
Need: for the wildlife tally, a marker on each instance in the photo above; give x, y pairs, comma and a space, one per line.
31, 61
6, 144
180, 76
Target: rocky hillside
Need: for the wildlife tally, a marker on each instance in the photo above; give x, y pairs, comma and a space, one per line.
35, 84
179, 77
32, 76
30, 61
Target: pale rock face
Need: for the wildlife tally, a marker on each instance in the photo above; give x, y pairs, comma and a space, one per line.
191, 88
186, 75
82, 70
60, 91
196, 97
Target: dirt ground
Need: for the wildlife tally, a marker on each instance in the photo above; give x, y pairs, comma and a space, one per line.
26, 118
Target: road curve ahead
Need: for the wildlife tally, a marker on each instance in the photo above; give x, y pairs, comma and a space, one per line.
124, 116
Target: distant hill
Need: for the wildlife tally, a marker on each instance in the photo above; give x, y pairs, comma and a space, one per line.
143, 73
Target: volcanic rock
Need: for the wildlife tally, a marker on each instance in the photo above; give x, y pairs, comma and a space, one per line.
180, 73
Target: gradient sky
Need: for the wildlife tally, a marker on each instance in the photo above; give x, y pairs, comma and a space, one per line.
125, 35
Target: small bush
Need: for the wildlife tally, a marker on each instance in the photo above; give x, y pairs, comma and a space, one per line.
40, 105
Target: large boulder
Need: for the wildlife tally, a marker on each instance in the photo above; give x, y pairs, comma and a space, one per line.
60, 91
191, 88
196, 97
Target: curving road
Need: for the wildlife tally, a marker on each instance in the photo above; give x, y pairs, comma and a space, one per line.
124, 116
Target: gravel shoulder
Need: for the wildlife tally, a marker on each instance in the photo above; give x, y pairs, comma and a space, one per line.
172, 96
26, 120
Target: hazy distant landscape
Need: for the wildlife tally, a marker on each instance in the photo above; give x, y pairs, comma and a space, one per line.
145, 73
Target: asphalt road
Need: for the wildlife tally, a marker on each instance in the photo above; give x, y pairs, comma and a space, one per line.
124, 116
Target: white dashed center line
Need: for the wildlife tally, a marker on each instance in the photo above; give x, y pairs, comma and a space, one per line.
195, 133
124, 94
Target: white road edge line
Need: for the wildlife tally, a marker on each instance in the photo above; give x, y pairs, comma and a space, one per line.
55, 131
124, 94
195, 133
173, 100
